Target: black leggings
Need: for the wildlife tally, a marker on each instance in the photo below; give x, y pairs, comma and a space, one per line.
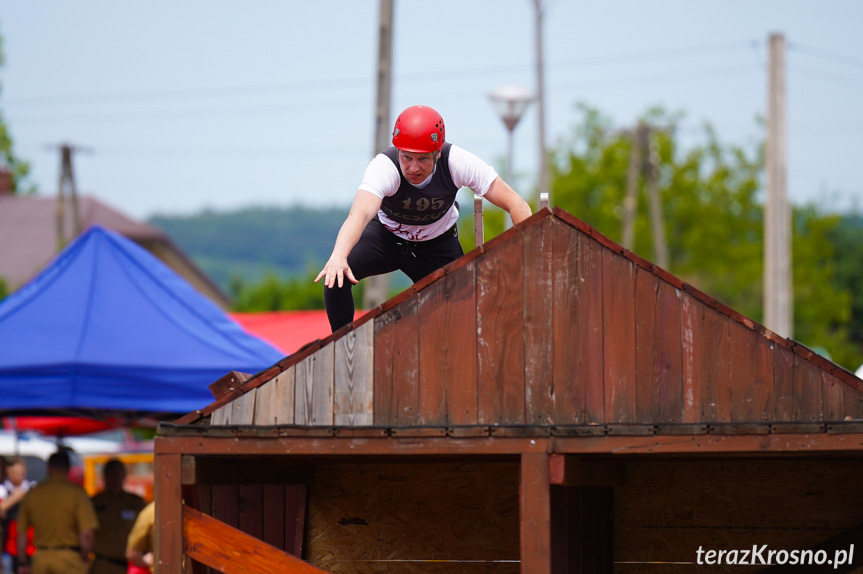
377, 252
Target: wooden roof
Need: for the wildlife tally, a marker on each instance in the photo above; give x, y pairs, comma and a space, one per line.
549, 325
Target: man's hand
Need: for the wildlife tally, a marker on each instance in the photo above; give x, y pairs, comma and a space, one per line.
335, 271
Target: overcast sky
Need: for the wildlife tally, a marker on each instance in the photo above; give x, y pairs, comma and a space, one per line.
183, 106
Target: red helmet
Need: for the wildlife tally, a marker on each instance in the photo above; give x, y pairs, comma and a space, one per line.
419, 129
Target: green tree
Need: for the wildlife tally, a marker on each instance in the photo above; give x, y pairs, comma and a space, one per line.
713, 220
8, 159
274, 293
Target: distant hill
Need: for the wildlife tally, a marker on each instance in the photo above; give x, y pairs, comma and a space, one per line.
254, 241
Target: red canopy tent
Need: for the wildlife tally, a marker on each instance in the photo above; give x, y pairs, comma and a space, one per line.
287, 331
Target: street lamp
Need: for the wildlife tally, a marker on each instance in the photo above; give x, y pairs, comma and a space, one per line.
510, 101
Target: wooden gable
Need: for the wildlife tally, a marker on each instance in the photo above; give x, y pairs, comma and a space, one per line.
548, 324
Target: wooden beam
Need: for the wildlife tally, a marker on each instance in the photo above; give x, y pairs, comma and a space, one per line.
168, 496
231, 551
203, 470
569, 470
762, 444
535, 514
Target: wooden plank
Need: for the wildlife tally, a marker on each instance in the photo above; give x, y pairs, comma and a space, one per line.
169, 519
296, 501
853, 402
354, 377
538, 311
618, 320
313, 399
447, 318
274, 403
647, 339
250, 509
692, 316
226, 503
716, 356
589, 348
396, 349
231, 551
274, 519
833, 395
567, 325
243, 409
431, 314
221, 416
751, 375
781, 402
500, 334
460, 350
807, 391
668, 345
535, 514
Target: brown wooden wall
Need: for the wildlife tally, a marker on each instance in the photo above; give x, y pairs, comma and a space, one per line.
550, 324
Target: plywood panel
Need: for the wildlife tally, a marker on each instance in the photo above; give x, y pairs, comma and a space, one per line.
566, 324
313, 400
353, 386
396, 349
499, 334
273, 517
646, 383
716, 356
692, 316
418, 518
274, 402
807, 391
618, 320
538, 311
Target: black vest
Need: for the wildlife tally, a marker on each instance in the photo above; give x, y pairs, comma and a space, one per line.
413, 206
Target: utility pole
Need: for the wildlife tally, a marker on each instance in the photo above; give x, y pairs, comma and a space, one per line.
644, 162
542, 177
657, 221
67, 180
630, 202
377, 286
778, 309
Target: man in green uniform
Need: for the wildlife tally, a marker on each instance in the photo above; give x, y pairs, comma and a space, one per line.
116, 510
63, 522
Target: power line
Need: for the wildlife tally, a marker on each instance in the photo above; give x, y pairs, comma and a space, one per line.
302, 86
828, 55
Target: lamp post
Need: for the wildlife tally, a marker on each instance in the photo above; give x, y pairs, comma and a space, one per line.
510, 101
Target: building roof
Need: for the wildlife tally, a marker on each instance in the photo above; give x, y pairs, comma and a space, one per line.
549, 328
28, 225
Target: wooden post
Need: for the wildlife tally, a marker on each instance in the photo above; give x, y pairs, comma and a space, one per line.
169, 514
477, 220
535, 514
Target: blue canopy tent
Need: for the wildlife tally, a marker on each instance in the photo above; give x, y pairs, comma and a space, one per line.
108, 328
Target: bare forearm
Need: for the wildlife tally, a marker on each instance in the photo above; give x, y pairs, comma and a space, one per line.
85, 539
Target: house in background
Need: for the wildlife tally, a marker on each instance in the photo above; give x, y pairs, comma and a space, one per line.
29, 238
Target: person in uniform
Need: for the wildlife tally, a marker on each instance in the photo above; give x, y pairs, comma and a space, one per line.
116, 509
63, 523
141, 544
12, 492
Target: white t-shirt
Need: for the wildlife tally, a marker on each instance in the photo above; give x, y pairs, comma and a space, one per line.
467, 170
